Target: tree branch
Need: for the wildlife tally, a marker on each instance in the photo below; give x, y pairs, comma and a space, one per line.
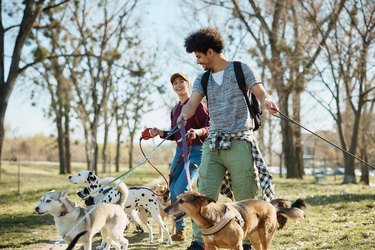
55, 5
51, 57
11, 27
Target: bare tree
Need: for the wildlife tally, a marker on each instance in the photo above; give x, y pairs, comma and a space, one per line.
288, 46
119, 104
32, 10
101, 42
48, 36
366, 147
141, 86
349, 78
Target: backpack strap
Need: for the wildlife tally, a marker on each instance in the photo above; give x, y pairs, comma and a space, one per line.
253, 106
242, 85
204, 82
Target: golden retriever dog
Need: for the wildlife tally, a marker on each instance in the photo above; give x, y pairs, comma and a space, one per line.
224, 225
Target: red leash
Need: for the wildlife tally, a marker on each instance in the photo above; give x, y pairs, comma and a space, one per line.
146, 135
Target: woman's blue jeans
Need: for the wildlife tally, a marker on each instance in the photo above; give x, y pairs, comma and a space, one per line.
179, 183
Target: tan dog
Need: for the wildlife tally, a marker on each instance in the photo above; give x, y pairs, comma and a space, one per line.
109, 219
164, 201
225, 225
279, 203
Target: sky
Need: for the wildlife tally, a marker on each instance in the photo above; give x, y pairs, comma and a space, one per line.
160, 19
163, 24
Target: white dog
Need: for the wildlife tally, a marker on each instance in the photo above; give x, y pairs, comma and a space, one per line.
109, 219
141, 199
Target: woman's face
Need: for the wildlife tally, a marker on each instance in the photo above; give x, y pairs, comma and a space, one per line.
180, 86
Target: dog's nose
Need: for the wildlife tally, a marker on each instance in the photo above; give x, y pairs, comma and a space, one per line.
36, 209
70, 177
166, 209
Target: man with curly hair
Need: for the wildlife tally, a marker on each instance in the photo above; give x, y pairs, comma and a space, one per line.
230, 144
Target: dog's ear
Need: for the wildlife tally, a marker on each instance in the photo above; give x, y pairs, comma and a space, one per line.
91, 176
64, 194
203, 200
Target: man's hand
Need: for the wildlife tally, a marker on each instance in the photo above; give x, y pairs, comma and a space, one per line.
270, 106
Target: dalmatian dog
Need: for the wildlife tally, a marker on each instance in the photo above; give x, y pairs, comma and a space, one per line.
106, 190
140, 202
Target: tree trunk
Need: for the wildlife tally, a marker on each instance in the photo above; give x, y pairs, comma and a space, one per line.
68, 165
96, 156
365, 172
298, 149
287, 135
31, 12
93, 152
3, 107
60, 143
131, 147
349, 176
104, 149
118, 152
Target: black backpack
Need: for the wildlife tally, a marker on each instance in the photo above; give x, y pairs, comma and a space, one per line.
252, 104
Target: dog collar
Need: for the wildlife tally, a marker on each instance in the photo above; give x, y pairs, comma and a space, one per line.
230, 213
63, 213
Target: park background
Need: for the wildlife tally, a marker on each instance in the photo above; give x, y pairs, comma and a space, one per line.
81, 79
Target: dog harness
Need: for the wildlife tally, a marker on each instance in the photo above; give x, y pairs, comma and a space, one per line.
230, 214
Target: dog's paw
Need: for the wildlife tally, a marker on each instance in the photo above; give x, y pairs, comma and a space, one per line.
168, 241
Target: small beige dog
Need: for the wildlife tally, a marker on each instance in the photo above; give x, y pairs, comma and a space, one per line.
224, 225
109, 219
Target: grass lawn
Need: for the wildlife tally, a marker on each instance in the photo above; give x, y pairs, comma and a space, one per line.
339, 216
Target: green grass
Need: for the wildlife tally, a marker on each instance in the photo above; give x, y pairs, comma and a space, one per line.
339, 216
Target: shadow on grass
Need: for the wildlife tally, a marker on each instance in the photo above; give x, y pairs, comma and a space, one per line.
337, 198
12, 226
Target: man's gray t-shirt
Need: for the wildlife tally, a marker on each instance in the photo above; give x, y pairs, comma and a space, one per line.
226, 103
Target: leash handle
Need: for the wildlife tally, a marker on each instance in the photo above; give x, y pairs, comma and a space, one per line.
184, 150
286, 118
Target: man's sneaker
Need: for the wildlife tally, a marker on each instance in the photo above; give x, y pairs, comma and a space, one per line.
247, 247
195, 245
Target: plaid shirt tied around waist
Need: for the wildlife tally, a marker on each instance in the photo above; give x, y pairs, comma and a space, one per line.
221, 140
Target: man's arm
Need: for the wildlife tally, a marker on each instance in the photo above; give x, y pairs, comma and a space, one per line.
264, 98
188, 110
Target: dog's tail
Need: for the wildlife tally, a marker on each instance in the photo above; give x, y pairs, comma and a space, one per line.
124, 191
300, 203
120, 186
75, 240
297, 211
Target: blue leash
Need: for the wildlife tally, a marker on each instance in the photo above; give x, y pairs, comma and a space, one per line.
121, 177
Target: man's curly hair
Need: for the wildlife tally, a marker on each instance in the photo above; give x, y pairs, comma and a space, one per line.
204, 39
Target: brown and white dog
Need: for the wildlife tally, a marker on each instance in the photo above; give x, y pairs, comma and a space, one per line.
164, 198
224, 225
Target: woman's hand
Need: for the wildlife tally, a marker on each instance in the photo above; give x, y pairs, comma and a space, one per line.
154, 132
194, 133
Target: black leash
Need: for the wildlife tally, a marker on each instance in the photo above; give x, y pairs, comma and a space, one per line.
286, 118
